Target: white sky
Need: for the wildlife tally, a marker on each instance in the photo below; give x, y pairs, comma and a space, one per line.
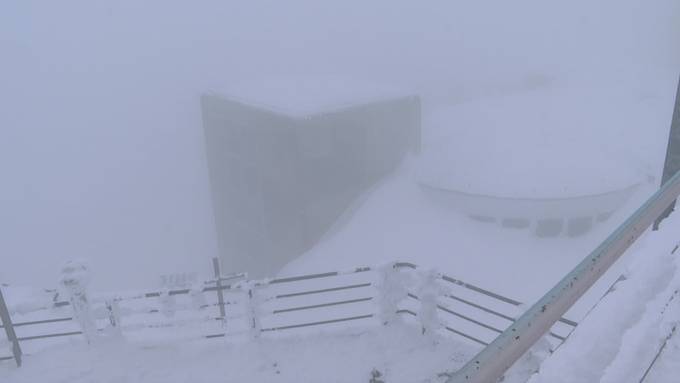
101, 147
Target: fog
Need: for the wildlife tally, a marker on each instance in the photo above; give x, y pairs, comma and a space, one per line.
102, 154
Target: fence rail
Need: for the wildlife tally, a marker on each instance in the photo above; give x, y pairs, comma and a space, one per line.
362, 296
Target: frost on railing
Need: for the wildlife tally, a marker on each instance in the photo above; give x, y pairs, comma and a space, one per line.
429, 291
436, 305
392, 285
75, 278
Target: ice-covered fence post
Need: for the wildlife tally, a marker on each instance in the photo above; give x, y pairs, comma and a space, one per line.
428, 292
6, 320
253, 311
75, 278
218, 282
113, 314
168, 303
392, 289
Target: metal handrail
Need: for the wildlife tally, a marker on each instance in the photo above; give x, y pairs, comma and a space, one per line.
493, 361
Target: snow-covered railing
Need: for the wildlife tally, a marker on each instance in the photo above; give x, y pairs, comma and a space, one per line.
232, 307
495, 359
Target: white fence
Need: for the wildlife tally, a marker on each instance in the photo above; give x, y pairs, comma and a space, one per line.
247, 309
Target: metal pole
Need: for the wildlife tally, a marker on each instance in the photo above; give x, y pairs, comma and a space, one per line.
672, 163
491, 363
9, 329
218, 281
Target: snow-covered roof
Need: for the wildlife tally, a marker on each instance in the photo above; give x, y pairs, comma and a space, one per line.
304, 95
529, 145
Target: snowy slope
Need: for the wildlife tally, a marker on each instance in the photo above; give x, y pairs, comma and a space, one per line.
618, 340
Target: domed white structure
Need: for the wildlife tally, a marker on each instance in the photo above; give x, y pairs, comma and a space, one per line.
522, 162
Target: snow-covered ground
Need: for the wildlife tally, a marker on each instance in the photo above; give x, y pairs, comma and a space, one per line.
398, 220
400, 353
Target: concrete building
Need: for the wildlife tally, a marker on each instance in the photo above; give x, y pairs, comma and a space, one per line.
280, 180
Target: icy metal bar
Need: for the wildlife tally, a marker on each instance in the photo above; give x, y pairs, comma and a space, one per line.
318, 323
300, 308
303, 277
461, 316
409, 312
323, 290
482, 308
19, 324
472, 338
6, 320
480, 290
50, 335
501, 315
315, 276
492, 362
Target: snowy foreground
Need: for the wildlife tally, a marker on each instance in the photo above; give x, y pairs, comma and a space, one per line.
622, 339
398, 352
630, 335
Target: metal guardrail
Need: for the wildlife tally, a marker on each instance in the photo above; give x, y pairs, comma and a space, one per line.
494, 360
253, 307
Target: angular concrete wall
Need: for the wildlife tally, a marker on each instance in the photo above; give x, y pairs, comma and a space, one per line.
280, 182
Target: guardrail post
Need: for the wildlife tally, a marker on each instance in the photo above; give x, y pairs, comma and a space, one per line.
9, 329
672, 162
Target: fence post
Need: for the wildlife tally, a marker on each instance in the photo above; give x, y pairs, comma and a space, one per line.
220, 295
9, 329
75, 277
429, 291
253, 308
113, 313
392, 290
252, 304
